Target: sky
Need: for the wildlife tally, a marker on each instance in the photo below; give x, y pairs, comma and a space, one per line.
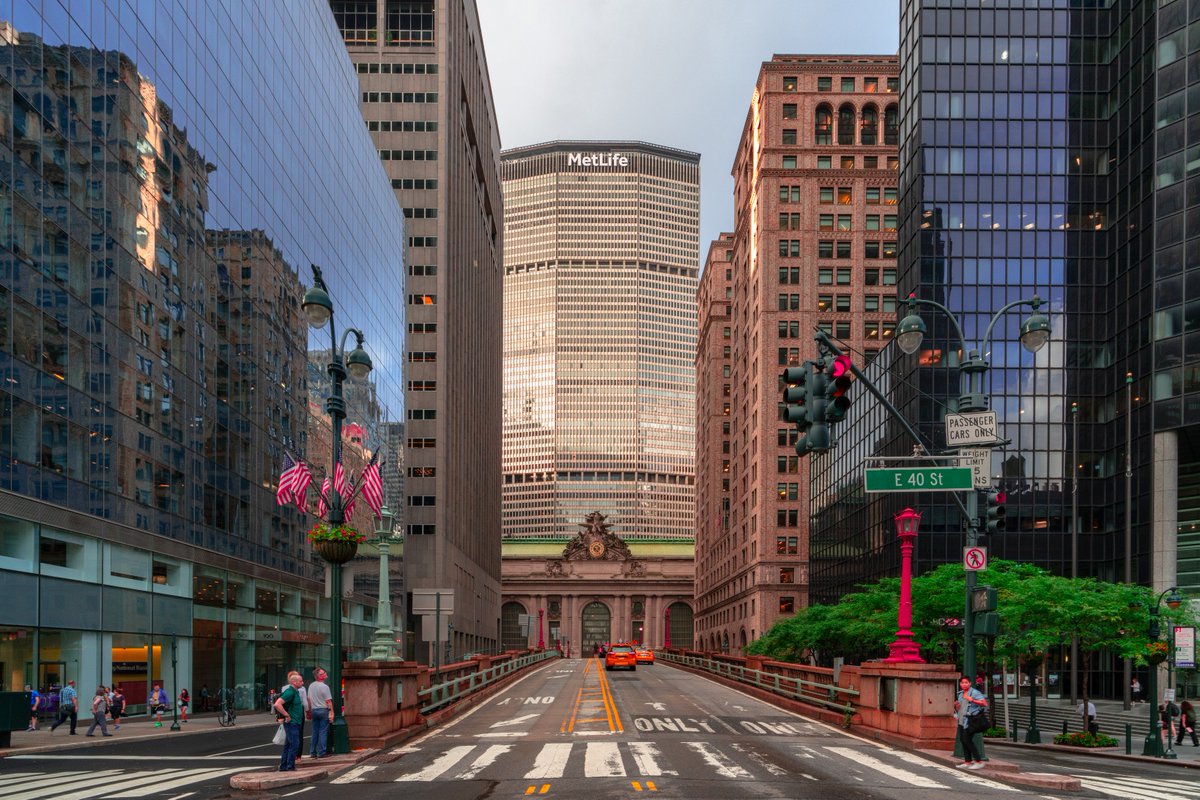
669, 72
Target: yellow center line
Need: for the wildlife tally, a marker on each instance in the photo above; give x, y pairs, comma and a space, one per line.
650, 785
545, 789
614, 716
570, 726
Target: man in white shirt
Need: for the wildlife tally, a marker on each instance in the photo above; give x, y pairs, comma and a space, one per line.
320, 701
1091, 716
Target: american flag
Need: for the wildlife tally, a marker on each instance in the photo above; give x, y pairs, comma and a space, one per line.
323, 500
293, 481
344, 487
372, 487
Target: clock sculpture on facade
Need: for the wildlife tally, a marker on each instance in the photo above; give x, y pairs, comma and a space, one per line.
595, 542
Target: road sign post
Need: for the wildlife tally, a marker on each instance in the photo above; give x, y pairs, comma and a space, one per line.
919, 479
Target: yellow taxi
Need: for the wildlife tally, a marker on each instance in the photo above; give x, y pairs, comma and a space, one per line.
644, 655
620, 655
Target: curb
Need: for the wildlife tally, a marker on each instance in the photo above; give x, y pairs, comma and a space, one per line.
325, 767
1008, 772
63, 740
1103, 754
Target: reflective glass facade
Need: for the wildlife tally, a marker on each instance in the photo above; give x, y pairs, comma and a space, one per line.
1044, 149
167, 173
599, 336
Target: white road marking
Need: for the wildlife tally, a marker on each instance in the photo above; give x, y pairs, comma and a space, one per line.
440, 764
483, 762
593, 733
551, 762
965, 777
718, 760
75, 781
658, 706
504, 723
502, 735
189, 794
1133, 789
645, 756
862, 759
298, 791
157, 785
603, 760
356, 775
760, 759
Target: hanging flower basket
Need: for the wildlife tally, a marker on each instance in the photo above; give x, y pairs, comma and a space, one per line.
336, 544
1155, 652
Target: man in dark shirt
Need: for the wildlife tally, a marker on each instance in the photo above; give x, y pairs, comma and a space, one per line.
289, 706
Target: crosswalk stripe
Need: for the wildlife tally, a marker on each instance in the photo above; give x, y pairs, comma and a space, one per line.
551, 762
603, 760
55, 787
1120, 788
1134, 781
862, 759
356, 775
760, 759
965, 777
645, 756
14, 782
484, 761
439, 765
724, 766
194, 776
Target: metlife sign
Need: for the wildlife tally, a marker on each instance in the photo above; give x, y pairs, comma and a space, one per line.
597, 160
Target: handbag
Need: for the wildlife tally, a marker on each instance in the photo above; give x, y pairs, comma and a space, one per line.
280, 735
978, 723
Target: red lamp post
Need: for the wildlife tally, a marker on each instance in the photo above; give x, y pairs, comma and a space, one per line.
904, 649
667, 628
541, 639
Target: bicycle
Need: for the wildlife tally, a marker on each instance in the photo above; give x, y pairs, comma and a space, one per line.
227, 715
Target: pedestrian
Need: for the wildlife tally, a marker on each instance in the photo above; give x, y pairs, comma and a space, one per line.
1187, 723
68, 700
320, 704
35, 702
1135, 690
290, 708
1092, 727
304, 703
158, 703
99, 711
184, 699
969, 705
271, 697
204, 697
117, 706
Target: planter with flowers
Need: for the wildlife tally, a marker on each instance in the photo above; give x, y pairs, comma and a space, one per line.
337, 544
1155, 652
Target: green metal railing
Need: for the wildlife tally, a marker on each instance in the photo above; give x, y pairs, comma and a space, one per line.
798, 689
451, 691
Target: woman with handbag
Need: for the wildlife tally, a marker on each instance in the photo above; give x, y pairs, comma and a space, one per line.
970, 708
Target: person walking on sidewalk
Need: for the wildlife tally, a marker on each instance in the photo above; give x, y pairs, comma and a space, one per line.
158, 703
116, 706
99, 712
184, 699
289, 707
1187, 723
68, 700
35, 702
1135, 690
969, 705
320, 701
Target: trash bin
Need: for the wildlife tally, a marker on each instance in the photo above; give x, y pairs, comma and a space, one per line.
14, 714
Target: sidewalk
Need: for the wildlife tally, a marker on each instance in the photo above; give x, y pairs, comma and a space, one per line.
134, 729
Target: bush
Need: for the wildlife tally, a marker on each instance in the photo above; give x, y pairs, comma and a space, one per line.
1085, 740
995, 732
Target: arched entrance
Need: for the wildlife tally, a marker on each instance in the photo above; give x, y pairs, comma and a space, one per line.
682, 627
597, 627
510, 627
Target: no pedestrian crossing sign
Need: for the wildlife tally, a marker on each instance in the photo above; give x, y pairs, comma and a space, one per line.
974, 558
919, 479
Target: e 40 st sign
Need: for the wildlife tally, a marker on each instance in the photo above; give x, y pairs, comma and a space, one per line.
919, 479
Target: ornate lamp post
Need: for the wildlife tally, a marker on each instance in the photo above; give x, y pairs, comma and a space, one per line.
904, 649
383, 644
667, 628
318, 308
1035, 332
1153, 746
541, 637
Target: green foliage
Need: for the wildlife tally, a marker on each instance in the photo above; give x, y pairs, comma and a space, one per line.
995, 732
1038, 611
1080, 739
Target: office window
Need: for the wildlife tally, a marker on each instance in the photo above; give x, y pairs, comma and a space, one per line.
888, 330
893, 162
843, 222
870, 162
871, 249
789, 135
825, 249
890, 222
788, 491
845, 196
870, 84
824, 162
847, 84
787, 574
871, 330
843, 249
889, 249
824, 302
789, 110
842, 330
871, 277
843, 302
889, 303
787, 605
889, 277
892, 85
870, 302
789, 83
872, 222
789, 275
889, 197
789, 162
843, 276
847, 162
825, 222
825, 84
826, 195
825, 277
872, 194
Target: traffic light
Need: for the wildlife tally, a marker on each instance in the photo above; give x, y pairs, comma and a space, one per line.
804, 395
995, 511
837, 390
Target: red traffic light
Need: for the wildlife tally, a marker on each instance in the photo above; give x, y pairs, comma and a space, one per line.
841, 366
999, 498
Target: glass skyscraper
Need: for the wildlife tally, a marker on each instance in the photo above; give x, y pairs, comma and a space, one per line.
600, 271
168, 174
1045, 148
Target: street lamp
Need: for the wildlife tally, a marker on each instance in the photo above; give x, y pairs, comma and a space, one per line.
667, 628
175, 681
383, 645
904, 649
318, 308
1153, 745
1035, 332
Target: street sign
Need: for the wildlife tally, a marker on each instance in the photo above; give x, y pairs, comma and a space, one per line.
976, 427
1185, 647
431, 601
974, 558
429, 628
980, 461
918, 479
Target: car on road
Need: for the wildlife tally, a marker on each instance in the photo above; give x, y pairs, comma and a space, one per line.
620, 655
644, 655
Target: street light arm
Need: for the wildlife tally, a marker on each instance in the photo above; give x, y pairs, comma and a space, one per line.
1034, 301
913, 300
340, 353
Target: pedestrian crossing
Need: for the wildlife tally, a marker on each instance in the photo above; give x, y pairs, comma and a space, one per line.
107, 784
1127, 787
744, 760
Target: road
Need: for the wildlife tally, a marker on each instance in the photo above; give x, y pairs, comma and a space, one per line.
572, 730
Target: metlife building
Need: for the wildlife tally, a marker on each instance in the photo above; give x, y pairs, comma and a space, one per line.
168, 172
